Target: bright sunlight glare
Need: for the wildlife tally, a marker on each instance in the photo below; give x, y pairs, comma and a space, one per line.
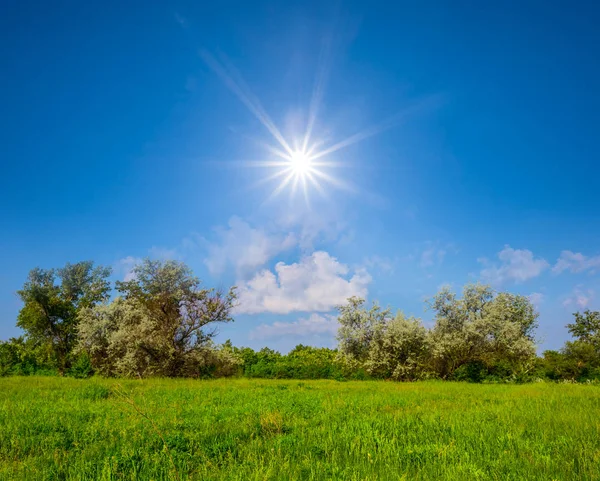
299, 167
301, 162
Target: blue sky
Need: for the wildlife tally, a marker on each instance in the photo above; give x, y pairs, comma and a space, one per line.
119, 140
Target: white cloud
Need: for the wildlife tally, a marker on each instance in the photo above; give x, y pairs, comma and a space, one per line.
580, 298
432, 256
125, 267
314, 325
516, 265
576, 262
163, 253
244, 247
317, 283
536, 299
312, 229
384, 264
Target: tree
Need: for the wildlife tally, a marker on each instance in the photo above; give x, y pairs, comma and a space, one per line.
392, 348
50, 312
483, 327
358, 327
110, 334
586, 328
579, 359
399, 350
158, 326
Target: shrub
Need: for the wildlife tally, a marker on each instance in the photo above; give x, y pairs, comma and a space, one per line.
82, 367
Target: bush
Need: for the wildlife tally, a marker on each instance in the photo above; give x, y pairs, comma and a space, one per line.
302, 362
19, 357
82, 367
474, 371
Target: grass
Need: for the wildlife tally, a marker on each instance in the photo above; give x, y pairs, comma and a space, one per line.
65, 429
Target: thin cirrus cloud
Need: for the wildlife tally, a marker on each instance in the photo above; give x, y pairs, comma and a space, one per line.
124, 267
576, 262
433, 253
317, 283
432, 256
516, 265
536, 298
385, 265
313, 325
580, 298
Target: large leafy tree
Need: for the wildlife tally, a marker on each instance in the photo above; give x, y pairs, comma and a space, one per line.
586, 328
400, 350
385, 346
358, 326
484, 326
162, 324
52, 301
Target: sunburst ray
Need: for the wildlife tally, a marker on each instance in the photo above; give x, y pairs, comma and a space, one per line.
301, 167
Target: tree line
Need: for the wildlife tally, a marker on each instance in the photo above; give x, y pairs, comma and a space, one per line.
162, 322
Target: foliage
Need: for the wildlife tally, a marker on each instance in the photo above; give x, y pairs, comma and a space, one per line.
22, 357
163, 321
159, 326
49, 315
482, 327
358, 328
82, 367
302, 362
576, 361
490, 334
251, 429
586, 328
216, 361
399, 350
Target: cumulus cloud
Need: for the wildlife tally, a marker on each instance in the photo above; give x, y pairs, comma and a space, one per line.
579, 297
314, 325
516, 265
244, 247
317, 283
576, 262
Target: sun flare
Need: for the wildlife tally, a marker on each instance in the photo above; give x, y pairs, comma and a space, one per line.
300, 163
308, 164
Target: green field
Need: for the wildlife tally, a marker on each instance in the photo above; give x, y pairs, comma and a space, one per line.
53, 428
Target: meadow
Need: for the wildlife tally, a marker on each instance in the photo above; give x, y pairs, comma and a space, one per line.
245, 429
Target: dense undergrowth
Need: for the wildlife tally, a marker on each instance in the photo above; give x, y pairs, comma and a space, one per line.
306, 362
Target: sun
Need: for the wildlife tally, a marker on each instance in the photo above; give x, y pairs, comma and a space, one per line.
300, 163
303, 161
